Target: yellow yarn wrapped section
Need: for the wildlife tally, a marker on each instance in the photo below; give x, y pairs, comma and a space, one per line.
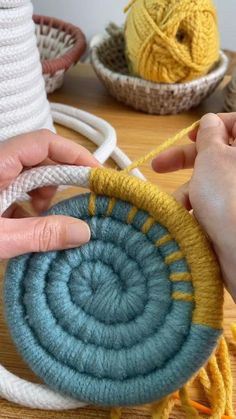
171, 41
182, 226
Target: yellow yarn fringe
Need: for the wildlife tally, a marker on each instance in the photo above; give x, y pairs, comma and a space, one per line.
216, 380
163, 409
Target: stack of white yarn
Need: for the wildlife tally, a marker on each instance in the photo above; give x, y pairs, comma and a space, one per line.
23, 102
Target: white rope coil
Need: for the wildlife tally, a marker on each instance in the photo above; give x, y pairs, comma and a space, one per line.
40, 177
12, 3
23, 102
87, 124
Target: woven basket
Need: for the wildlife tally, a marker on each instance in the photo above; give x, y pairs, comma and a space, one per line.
60, 45
109, 63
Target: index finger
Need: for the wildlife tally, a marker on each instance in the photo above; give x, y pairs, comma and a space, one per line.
176, 158
32, 149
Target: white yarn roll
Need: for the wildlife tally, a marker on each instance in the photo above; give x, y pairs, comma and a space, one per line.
16, 34
8, 53
15, 16
12, 3
21, 99
23, 102
16, 86
35, 121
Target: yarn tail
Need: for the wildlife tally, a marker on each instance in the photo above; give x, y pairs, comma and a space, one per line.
188, 407
216, 380
233, 329
164, 146
163, 409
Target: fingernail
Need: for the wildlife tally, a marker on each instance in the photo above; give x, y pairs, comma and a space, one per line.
209, 121
78, 233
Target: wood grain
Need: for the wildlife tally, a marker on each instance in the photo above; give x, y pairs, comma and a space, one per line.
232, 61
137, 134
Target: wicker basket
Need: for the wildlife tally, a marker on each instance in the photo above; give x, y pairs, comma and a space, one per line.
61, 45
109, 62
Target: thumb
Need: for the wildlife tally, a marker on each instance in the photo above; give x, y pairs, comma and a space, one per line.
182, 195
41, 234
212, 131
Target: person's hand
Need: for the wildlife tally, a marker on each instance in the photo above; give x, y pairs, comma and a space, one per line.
211, 191
20, 233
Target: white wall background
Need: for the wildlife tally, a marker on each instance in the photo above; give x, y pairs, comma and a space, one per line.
93, 15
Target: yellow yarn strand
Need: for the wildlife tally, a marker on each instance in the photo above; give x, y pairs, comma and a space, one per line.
110, 208
217, 389
163, 240
191, 412
182, 296
163, 408
147, 225
180, 276
225, 368
92, 204
174, 257
205, 382
163, 147
233, 330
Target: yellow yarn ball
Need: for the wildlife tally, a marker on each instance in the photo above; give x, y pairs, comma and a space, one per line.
171, 41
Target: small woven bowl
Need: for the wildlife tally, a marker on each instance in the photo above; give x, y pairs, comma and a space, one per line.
110, 65
60, 45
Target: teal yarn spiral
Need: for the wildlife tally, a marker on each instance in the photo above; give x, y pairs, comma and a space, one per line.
99, 322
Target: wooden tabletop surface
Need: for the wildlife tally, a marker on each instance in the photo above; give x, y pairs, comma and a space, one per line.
137, 134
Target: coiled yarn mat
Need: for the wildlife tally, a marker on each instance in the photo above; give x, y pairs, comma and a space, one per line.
127, 318
23, 103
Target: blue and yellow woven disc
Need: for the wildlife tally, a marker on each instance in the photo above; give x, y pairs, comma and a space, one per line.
129, 317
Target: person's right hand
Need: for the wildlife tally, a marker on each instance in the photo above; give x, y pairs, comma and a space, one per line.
211, 191
19, 232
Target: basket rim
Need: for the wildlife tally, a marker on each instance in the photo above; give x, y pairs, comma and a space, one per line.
217, 73
65, 61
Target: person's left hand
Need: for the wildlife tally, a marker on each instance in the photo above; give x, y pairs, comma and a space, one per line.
19, 231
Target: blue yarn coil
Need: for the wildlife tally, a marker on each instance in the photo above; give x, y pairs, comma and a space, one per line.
98, 322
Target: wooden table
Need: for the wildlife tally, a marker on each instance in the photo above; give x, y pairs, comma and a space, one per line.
137, 134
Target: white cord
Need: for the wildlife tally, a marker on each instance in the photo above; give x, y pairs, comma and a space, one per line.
43, 176
92, 127
23, 102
